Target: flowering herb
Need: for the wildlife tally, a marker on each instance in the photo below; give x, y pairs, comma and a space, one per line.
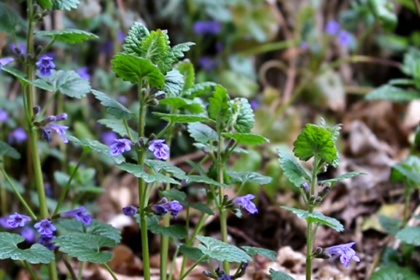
165, 206
120, 146
80, 215
345, 252
159, 148
129, 210
17, 220
45, 64
246, 203
45, 227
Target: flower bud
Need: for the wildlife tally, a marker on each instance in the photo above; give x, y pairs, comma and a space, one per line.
304, 185
160, 96
38, 50
207, 273
324, 192
317, 251
61, 117
17, 50
205, 149
29, 57
49, 119
36, 109
152, 137
153, 102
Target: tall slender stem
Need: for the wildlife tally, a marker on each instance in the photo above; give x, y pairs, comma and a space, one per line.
111, 272
67, 187
79, 276
30, 270
192, 267
142, 187
310, 234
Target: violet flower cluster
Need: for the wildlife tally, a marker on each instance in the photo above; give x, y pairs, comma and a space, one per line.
164, 206
47, 126
333, 28
120, 146
159, 148
45, 63
80, 215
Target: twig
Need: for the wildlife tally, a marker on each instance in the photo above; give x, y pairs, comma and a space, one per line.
69, 268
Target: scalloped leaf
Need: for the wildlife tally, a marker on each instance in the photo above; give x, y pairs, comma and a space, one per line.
218, 107
247, 138
172, 231
342, 177
192, 252
202, 133
35, 254
160, 166
245, 120
178, 50
394, 272
206, 180
410, 235
179, 102
317, 217
391, 93
118, 127
199, 89
112, 106
6, 149
174, 82
85, 247
155, 48
187, 70
139, 172
222, 251
71, 36
135, 69
68, 82
64, 4
95, 228
292, 169
10, 18
260, 251
45, 4
279, 275
177, 118
22, 78
132, 42
247, 176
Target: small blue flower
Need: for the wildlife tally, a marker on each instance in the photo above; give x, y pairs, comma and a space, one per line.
225, 276
159, 148
46, 241
21, 46
60, 130
45, 227
83, 72
245, 202
254, 104
45, 64
207, 27
129, 210
165, 206
28, 233
60, 117
80, 215
18, 135
4, 223
120, 146
344, 38
4, 61
345, 251
17, 220
332, 27
3, 115
108, 137
120, 36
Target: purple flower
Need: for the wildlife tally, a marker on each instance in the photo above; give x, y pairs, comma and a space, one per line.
225, 277
80, 215
84, 72
4, 223
3, 115
60, 130
17, 220
45, 134
28, 233
108, 137
48, 189
345, 251
122, 99
332, 27
45, 227
107, 47
17, 135
207, 27
159, 148
45, 64
303, 45
245, 202
120, 146
120, 36
60, 117
129, 210
344, 38
46, 241
4, 61
254, 104
207, 63
165, 206
21, 46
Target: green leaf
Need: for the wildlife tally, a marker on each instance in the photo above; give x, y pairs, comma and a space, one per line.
9, 19
315, 140
17, 185
292, 169
417, 138
179, 102
135, 69
7, 150
178, 50
245, 176
155, 48
85, 247
113, 107
174, 81
186, 68
139, 172
95, 228
97, 147
202, 133
197, 167
22, 78
316, 217
180, 196
68, 83
176, 118
260, 251
391, 93
132, 42
159, 166
402, 171
173, 231
219, 105
199, 89
342, 177
279, 275
71, 36
192, 252
394, 272
222, 251
245, 120
390, 225
64, 4
9, 250
206, 180
247, 138
383, 11
45, 4
411, 62
118, 127
410, 235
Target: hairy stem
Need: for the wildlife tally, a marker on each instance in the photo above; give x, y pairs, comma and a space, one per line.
310, 234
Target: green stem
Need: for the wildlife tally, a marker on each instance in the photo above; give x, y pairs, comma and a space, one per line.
110, 271
18, 194
127, 128
171, 271
406, 205
30, 270
310, 234
192, 267
44, 50
79, 276
67, 187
